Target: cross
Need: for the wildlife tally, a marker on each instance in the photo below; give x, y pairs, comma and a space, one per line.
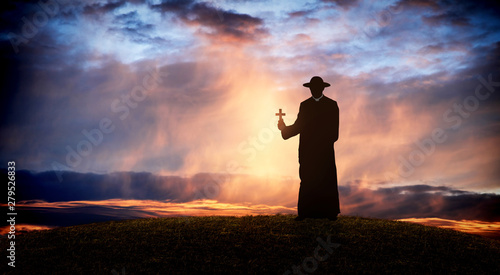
280, 114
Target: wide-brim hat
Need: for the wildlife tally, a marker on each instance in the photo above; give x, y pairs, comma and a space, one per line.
316, 81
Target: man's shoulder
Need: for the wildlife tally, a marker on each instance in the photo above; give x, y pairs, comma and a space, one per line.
329, 100
307, 101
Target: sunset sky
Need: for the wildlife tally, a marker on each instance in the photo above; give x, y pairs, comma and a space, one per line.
150, 108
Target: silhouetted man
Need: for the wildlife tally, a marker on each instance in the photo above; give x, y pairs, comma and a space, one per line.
318, 126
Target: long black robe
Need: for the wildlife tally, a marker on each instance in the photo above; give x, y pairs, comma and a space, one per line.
318, 126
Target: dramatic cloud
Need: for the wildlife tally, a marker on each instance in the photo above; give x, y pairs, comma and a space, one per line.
487, 229
343, 3
420, 201
216, 23
102, 8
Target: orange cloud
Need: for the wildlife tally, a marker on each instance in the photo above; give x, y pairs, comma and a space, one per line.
23, 228
487, 229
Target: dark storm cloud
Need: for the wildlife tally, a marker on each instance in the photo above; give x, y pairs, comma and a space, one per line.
419, 201
129, 25
300, 14
343, 3
432, 4
176, 6
29, 28
453, 21
457, 13
131, 20
46, 186
449, 18
78, 214
103, 8
224, 25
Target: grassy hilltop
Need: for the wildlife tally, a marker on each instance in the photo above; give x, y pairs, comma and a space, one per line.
252, 244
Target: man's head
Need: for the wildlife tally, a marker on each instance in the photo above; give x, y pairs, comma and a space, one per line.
316, 85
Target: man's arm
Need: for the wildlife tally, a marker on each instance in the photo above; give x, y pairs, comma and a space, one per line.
292, 130
335, 130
